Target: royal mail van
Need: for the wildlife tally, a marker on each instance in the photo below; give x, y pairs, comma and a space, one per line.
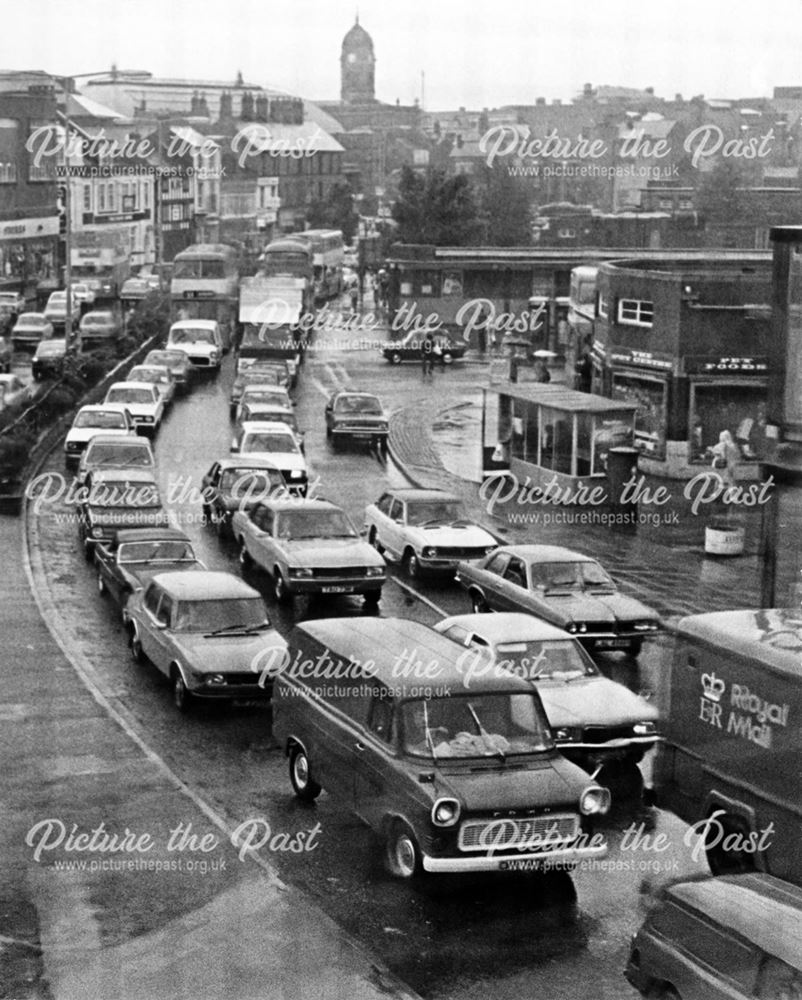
732, 762
454, 774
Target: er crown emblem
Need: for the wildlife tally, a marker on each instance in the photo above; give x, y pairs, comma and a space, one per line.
713, 687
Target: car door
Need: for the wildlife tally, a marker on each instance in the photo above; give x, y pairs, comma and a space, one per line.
513, 586
107, 569
395, 528
162, 636
490, 579
149, 623
264, 544
381, 518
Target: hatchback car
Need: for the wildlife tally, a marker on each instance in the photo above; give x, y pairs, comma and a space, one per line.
206, 631
115, 451
259, 392
253, 375
566, 588
109, 420
176, 361
408, 348
48, 359
30, 329
142, 400
425, 530
13, 391
355, 416
308, 547
99, 328
129, 560
253, 411
594, 721
738, 937
234, 484
56, 309
158, 375
277, 443
111, 499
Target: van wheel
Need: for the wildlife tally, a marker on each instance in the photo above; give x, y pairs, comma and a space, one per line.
478, 603
373, 538
181, 696
411, 565
304, 786
724, 861
401, 852
101, 585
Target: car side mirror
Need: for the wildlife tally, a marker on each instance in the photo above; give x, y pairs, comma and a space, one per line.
235, 446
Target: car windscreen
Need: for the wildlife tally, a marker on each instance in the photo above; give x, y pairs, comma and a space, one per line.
434, 511
267, 396
158, 550
133, 454
358, 404
267, 411
226, 613
50, 349
168, 358
314, 524
267, 375
98, 319
129, 396
545, 659
105, 419
268, 441
557, 576
31, 319
148, 375
250, 484
496, 724
193, 336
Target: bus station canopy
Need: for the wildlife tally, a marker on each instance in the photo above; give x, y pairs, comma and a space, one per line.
561, 398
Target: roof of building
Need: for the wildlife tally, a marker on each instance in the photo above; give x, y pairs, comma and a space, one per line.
276, 137
357, 37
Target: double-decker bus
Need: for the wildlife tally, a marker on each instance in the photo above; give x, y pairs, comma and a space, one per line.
101, 262
328, 252
205, 285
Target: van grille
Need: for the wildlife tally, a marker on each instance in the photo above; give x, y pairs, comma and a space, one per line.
200, 360
531, 833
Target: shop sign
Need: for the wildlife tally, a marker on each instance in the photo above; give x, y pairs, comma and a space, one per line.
26, 229
699, 365
641, 359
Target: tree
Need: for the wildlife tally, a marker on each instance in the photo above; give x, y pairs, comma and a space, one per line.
437, 209
335, 211
718, 199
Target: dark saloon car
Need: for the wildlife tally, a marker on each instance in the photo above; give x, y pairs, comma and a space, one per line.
133, 556
234, 484
111, 499
355, 416
177, 362
409, 348
207, 632
48, 360
568, 589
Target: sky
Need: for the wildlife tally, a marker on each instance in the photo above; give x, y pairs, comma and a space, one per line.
449, 53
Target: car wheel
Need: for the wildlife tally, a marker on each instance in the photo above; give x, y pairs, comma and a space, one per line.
635, 647
328, 433
137, 653
478, 603
373, 597
244, 556
101, 585
401, 852
448, 357
89, 550
181, 696
373, 538
411, 565
281, 591
303, 784
395, 358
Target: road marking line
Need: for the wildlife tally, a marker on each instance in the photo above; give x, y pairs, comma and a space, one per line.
411, 590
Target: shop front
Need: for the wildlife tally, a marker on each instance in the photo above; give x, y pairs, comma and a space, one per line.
645, 379
28, 253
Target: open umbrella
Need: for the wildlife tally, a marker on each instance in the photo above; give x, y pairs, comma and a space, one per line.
544, 354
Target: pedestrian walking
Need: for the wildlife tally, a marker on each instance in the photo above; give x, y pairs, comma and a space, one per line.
542, 374
427, 353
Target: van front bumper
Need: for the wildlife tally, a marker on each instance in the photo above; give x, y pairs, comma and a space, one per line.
537, 861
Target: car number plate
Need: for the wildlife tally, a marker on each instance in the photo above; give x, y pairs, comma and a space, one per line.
613, 643
339, 589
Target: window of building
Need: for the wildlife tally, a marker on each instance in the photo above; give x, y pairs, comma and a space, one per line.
87, 198
8, 172
636, 312
604, 305
566, 233
101, 202
110, 196
666, 204
685, 204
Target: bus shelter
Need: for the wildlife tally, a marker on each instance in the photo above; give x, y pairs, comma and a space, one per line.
544, 432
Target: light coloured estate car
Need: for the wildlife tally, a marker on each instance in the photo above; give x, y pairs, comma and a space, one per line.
143, 402
208, 632
594, 721
201, 341
425, 530
308, 547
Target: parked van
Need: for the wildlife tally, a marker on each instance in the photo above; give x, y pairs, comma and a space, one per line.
738, 937
455, 774
732, 761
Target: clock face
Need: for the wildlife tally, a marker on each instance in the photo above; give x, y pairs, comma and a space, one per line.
351, 57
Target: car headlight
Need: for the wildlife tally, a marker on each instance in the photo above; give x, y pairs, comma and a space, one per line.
582, 627
571, 627
97, 532
490, 548
445, 812
644, 729
299, 571
214, 679
565, 734
374, 571
594, 801
645, 626
296, 474
429, 552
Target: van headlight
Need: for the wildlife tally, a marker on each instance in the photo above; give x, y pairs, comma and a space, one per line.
594, 801
445, 812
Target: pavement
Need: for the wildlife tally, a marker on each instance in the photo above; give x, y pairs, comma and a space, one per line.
662, 560
216, 927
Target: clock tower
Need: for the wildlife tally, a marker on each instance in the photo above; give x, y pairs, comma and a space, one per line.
357, 67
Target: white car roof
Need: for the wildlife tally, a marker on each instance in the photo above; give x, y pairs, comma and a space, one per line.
194, 324
130, 385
